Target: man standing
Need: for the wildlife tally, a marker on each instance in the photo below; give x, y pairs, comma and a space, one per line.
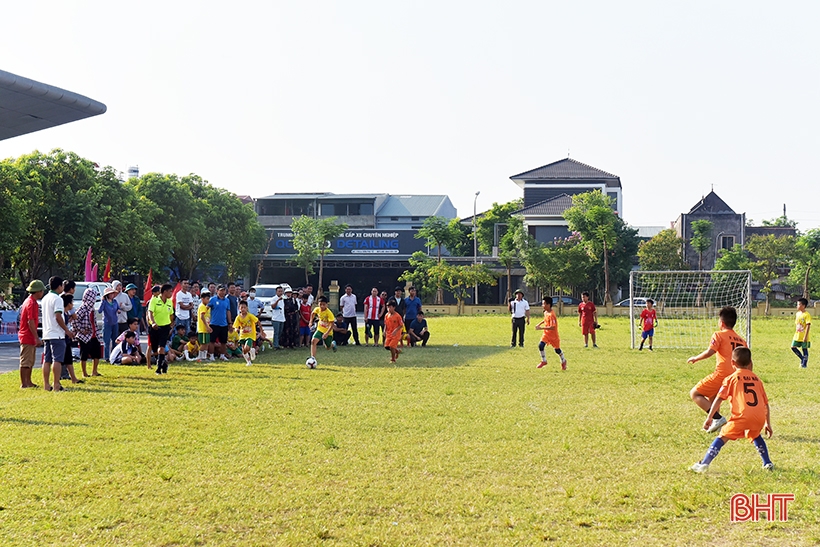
27, 333
185, 303
277, 316
587, 319
398, 298
233, 298
54, 334
520, 310
220, 319
125, 306
160, 311
373, 310
254, 306
348, 304
309, 291
412, 307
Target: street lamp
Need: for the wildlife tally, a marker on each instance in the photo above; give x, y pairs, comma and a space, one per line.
475, 247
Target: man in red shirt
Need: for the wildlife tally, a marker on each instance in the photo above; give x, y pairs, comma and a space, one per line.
587, 318
27, 334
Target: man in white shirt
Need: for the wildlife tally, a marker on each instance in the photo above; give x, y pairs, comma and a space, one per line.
124, 302
520, 310
185, 303
348, 304
254, 306
54, 334
277, 316
309, 291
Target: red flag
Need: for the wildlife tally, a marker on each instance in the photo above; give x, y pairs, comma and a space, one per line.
174, 296
146, 297
88, 266
107, 272
94, 273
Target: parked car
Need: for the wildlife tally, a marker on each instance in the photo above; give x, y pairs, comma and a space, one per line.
264, 293
567, 300
640, 302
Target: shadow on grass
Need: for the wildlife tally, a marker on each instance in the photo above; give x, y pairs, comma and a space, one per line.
23, 421
798, 439
418, 357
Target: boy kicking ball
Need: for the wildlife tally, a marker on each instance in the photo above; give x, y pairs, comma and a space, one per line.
245, 325
648, 322
721, 345
802, 326
550, 335
323, 318
750, 411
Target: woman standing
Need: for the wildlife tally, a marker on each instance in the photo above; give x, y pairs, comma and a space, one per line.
290, 333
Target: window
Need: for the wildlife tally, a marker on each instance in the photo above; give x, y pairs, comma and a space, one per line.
366, 209
414, 218
727, 242
395, 219
328, 210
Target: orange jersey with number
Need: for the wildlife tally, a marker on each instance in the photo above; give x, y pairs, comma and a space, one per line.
723, 343
550, 336
748, 398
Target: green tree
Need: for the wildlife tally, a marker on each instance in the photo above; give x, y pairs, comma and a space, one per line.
328, 231
807, 258
306, 243
419, 275
486, 224
735, 258
701, 238
510, 248
461, 279
593, 217
781, 222
460, 242
560, 265
439, 233
13, 218
771, 253
662, 252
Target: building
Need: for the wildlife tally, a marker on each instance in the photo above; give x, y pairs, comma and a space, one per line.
728, 228
373, 252
548, 192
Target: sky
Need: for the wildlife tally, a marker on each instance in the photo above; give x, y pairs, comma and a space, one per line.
442, 97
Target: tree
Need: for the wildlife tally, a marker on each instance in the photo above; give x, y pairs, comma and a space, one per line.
561, 265
735, 258
328, 231
439, 233
486, 224
510, 247
807, 258
592, 216
662, 252
771, 253
305, 243
701, 238
460, 241
419, 273
13, 217
460, 279
782, 222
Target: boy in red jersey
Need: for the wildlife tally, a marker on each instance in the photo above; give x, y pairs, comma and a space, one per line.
750, 411
550, 336
587, 319
648, 322
721, 345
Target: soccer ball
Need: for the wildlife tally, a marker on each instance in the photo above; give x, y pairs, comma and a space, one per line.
311, 362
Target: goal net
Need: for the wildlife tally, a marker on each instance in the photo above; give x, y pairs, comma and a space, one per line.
687, 304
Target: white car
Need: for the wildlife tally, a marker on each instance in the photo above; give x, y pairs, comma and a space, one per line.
640, 302
80, 289
264, 293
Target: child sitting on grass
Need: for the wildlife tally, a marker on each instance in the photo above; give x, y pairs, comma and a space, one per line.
750, 411
232, 348
192, 347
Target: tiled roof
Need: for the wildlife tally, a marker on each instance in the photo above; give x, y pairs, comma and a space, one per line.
567, 168
711, 203
411, 206
554, 206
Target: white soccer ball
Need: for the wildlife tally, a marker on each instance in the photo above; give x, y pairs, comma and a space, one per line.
311, 362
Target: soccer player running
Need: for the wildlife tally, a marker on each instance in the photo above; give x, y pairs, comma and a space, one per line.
393, 326
550, 335
648, 322
245, 325
750, 411
324, 319
802, 326
722, 344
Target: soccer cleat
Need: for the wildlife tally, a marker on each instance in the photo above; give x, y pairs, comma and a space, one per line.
222, 357
700, 467
716, 425
253, 354
541, 364
804, 361
768, 466
594, 345
563, 364
333, 346
650, 348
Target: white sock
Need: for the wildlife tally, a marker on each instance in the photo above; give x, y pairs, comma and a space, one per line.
543, 354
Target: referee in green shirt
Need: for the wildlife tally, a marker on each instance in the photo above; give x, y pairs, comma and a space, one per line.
160, 312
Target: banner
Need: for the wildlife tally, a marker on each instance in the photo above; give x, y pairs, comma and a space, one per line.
358, 243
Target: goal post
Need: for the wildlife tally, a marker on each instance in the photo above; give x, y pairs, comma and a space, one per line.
687, 304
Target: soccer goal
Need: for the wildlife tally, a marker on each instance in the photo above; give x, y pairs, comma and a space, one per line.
687, 304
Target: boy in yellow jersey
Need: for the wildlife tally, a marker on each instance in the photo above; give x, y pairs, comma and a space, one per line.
245, 326
324, 319
232, 348
722, 344
802, 326
203, 327
550, 336
750, 411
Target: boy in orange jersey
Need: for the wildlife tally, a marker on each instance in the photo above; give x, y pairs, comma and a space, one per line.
393, 326
750, 411
550, 335
648, 322
722, 344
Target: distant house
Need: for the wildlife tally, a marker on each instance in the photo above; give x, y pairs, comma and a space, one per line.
548, 192
728, 228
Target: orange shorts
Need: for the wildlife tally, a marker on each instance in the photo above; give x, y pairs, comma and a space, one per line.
738, 429
392, 341
551, 339
710, 385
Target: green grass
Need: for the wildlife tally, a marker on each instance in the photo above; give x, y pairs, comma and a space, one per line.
454, 445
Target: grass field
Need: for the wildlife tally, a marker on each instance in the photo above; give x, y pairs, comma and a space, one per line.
461, 443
